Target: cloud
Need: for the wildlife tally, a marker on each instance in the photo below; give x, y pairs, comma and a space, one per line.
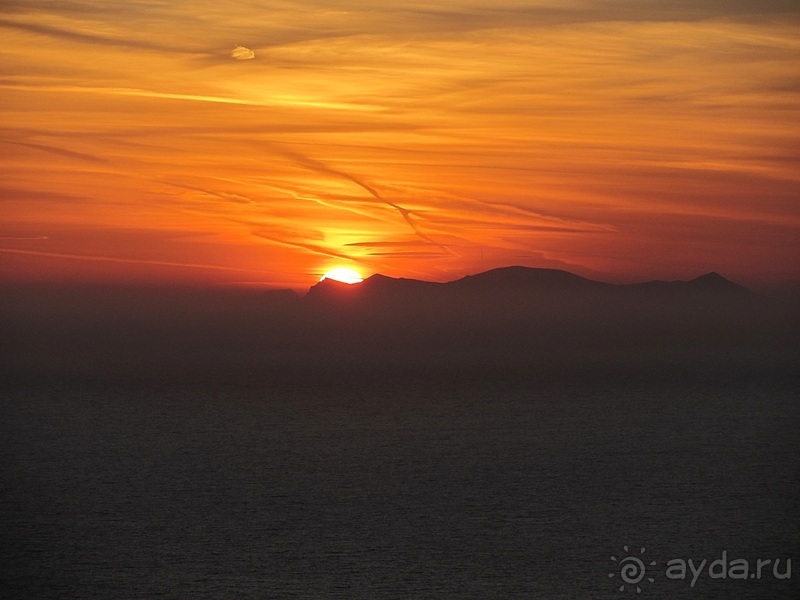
409, 244
412, 136
242, 53
320, 167
58, 151
315, 248
81, 36
136, 261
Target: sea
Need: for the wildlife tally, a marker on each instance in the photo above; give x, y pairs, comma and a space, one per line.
662, 483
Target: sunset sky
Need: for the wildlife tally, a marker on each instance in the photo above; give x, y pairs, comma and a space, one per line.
266, 142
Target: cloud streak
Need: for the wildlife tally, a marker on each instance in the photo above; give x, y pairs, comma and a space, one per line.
314, 248
406, 136
115, 259
320, 167
58, 151
83, 37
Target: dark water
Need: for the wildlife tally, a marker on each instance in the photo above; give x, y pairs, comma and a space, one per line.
398, 487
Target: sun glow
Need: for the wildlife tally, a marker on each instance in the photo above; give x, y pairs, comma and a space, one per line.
344, 275
451, 140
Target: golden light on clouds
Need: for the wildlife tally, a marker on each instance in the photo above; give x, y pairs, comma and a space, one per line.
615, 142
242, 53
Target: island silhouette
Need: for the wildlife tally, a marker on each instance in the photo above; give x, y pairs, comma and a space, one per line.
506, 319
515, 286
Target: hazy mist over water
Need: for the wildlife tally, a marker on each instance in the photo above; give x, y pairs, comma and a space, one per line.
220, 445
496, 323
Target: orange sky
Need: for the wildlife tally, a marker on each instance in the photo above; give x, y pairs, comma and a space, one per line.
266, 142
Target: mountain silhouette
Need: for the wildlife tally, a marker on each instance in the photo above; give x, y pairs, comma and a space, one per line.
516, 288
512, 318
529, 317
375, 287
509, 278
715, 281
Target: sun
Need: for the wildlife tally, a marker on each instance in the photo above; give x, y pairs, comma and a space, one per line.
344, 275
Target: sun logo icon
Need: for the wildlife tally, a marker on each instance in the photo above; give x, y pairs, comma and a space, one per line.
631, 570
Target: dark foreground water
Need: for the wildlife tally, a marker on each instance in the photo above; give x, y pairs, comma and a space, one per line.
403, 486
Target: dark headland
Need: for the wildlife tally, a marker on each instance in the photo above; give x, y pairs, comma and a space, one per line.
513, 318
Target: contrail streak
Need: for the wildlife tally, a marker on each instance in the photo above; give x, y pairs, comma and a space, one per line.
59, 151
312, 247
320, 167
99, 258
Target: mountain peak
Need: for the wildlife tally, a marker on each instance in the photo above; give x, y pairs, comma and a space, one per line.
715, 281
710, 276
508, 283
332, 289
518, 276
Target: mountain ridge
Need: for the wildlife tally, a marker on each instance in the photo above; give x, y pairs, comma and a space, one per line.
517, 318
511, 280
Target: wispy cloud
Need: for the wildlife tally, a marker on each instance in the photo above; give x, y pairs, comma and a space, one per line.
409, 136
318, 249
321, 167
242, 53
56, 150
83, 37
116, 259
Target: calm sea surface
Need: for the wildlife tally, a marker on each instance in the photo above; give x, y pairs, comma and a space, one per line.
400, 487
